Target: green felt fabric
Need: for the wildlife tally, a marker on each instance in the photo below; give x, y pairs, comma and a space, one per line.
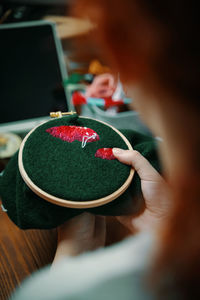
28, 211
66, 170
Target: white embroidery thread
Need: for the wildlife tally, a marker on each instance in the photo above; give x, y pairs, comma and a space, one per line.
86, 138
3, 208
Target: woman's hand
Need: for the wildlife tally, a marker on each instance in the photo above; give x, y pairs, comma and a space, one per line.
154, 189
83, 233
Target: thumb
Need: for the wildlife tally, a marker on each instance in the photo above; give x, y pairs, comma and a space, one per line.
139, 163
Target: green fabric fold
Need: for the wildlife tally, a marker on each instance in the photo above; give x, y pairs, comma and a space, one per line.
28, 211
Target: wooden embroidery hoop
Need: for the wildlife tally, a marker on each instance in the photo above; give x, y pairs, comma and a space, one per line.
69, 203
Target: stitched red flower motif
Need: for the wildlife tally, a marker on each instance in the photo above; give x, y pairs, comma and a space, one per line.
105, 153
74, 133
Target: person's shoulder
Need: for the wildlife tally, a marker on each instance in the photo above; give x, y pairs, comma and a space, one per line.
108, 270
128, 254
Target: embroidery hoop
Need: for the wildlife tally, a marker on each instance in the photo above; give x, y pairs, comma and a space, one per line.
65, 202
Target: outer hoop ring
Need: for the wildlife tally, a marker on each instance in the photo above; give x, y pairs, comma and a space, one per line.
69, 203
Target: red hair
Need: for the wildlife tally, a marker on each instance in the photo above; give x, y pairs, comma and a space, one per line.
159, 41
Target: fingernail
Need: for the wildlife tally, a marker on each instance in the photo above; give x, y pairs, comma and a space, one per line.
117, 151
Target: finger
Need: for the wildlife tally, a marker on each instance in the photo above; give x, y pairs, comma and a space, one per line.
105, 93
110, 81
100, 229
100, 224
104, 79
82, 223
138, 162
99, 92
126, 221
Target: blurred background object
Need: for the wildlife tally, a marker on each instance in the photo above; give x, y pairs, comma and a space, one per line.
12, 11
79, 63
70, 27
31, 76
9, 144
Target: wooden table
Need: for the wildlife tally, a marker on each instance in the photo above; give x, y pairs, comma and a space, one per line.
21, 253
68, 27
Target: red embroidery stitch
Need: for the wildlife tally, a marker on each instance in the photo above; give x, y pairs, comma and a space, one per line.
74, 133
105, 153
